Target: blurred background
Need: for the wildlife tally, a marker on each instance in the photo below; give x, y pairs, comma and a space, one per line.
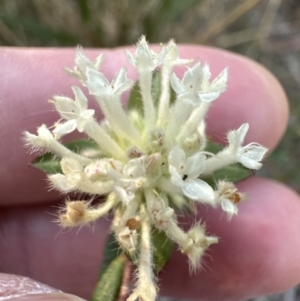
267, 31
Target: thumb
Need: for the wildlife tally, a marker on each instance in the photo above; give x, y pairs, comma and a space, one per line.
19, 288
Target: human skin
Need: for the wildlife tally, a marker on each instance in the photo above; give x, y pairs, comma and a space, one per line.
258, 252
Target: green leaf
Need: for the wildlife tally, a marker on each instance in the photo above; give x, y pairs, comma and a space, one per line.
111, 251
156, 87
213, 147
135, 98
232, 173
48, 163
163, 249
51, 164
111, 271
108, 287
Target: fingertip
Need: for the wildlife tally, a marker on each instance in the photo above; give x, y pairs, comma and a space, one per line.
258, 250
29, 77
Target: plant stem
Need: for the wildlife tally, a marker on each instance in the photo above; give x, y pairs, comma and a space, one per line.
125, 285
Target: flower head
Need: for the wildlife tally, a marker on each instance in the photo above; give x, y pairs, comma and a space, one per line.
74, 111
98, 84
145, 59
82, 62
196, 87
150, 158
249, 155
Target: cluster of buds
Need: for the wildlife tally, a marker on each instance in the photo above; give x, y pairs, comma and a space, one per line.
149, 160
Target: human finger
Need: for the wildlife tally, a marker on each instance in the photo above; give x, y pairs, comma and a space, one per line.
29, 77
19, 288
258, 250
257, 253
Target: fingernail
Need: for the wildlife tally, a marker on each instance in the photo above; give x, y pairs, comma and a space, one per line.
44, 297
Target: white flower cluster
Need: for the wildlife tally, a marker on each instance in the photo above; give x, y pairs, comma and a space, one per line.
148, 161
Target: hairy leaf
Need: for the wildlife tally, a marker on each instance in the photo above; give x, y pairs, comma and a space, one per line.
213, 147
163, 249
232, 173
135, 98
111, 251
108, 287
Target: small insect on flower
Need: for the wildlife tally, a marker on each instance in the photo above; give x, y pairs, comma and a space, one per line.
150, 160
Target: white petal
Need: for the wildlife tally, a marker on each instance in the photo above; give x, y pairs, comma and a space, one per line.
121, 77
208, 97
143, 46
65, 107
73, 72
82, 62
256, 152
195, 165
80, 99
130, 58
97, 83
198, 190
251, 155
220, 82
84, 117
242, 132
177, 84
249, 163
122, 83
175, 176
177, 159
146, 60
206, 77
229, 207
160, 57
143, 51
98, 61
65, 128
44, 132
43, 139
172, 53
193, 76
236, 137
